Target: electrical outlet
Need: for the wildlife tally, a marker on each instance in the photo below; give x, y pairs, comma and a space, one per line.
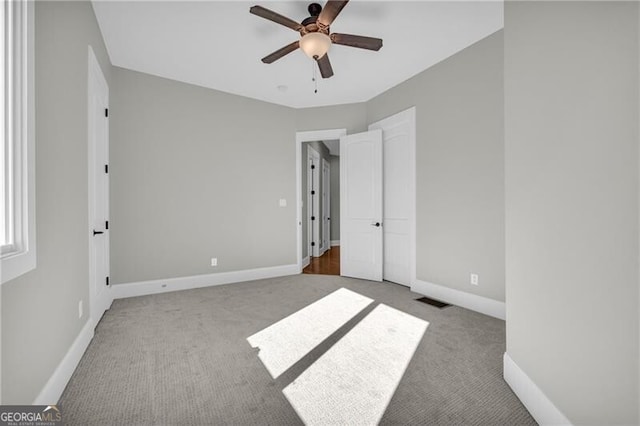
474, 279
80, 309
214, 261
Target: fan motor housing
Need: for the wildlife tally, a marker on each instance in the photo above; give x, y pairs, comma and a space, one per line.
314, 9
311, 23
310, 20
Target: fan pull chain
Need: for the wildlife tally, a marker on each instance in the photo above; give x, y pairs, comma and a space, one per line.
313, 77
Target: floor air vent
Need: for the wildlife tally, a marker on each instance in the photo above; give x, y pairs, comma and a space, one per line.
433, 302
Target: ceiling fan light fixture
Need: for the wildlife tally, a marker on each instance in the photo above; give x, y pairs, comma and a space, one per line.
315, 45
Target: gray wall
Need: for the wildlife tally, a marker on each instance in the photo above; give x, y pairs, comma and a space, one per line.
40, 309
352, 117
323, 151
571, 102
460, 166
335, 197
195, 174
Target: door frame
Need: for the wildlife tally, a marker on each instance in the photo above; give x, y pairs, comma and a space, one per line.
95, 306
301, 137
391, 121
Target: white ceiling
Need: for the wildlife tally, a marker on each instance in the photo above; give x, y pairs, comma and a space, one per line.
219, 44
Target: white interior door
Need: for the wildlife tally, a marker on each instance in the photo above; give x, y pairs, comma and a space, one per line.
326, 205
361, 205
313, 209
98, 189
398, 141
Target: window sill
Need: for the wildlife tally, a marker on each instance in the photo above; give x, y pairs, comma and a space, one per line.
17, 264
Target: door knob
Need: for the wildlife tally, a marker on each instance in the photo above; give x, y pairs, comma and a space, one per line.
377, 224
97, 232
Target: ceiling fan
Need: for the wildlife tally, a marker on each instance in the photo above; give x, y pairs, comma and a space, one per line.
315, 35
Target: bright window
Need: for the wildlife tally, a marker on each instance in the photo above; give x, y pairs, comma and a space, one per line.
17, 186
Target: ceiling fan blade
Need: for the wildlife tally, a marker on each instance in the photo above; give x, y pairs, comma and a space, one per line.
361, 42
330, 11
275, 17
281, 52
325, 66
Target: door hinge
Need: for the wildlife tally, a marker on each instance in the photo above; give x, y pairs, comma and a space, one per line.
313, 218
106, 168
107, 280
106, 224
106, 112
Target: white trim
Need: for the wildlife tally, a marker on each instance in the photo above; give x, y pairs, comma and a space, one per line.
305, 262
335, 243
301, 137
474, 302
24, 259
54, 387
56, 384
409, 115
143, 288
535, 401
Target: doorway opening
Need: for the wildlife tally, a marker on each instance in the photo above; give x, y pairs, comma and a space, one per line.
377, 233
321, 207
319, 202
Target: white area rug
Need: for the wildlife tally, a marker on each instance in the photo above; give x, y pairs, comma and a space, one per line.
353, 382
287, 341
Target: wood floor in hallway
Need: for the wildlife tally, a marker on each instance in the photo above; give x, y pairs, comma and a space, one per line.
327, 264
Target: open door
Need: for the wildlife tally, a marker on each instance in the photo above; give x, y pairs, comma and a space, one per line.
361, 205
98, 150
399, 165
326, 206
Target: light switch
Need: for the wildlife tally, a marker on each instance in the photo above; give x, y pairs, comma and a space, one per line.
283, 202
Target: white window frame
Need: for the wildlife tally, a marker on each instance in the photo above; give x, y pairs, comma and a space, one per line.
18, 129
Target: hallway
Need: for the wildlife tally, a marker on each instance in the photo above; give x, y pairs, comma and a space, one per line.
327, 264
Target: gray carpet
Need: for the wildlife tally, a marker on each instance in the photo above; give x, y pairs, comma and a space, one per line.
182, 358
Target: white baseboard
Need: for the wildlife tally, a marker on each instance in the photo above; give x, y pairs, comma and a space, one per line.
53, 389
335, 243
305, 262
56, 384
540, 407
143, 288
474, 302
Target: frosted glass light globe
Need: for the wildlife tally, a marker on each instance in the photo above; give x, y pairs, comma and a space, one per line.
315, 45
